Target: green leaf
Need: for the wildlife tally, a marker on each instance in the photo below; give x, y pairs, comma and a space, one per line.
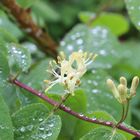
115, 22
19, 57
35, 78
26, 3
4, 67
85, 127
33, 122
7, 36
7, 90
98, 95
8, 25
133, 7
6, 128
97, 40
42, 10
102, 133
76, 103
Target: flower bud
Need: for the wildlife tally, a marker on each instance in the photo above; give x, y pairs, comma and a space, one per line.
113, 88
123, 81
134, 86
123, 93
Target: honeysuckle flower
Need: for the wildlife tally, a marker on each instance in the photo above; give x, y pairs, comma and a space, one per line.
71, 70
122, 93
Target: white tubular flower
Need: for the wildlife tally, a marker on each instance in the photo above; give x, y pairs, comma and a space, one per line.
71, 70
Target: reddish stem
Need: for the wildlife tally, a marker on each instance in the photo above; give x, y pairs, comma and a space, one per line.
71, 112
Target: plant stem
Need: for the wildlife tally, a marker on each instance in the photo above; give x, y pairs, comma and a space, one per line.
71, 112
63, 99
22, 16
122, 116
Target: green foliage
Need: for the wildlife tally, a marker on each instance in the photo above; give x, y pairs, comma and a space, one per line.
6, 24
102, 133
133, 7
97, 40
118, 24
35, 122
6, 128
26, 3
24, 116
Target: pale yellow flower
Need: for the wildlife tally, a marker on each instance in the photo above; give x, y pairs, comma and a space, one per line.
71, 70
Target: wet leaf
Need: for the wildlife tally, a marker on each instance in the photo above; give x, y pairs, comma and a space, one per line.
113, 21
102, 133
6, 128
86, 127
96, 40
133, 7
6, 24
4, 67
19, 57
33, 122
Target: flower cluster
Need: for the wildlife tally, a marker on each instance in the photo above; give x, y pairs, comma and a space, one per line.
71, 70
122, 93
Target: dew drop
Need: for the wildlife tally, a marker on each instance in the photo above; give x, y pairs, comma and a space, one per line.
22, 129
95, 91
70, 48
79, 42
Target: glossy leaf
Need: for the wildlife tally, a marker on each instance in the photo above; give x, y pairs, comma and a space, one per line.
4, 67
6, 24
98, 95
115, 22
33, 122
133, 7
102, 133
19, 57
76, 103
35, 78
6, 36
6, 128
86, 127
97, 40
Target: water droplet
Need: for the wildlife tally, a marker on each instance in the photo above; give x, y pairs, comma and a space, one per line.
94, 119
138, 23
44, 136
41, 128
103, 52
132, 8
95, 91
81, 115
49, 134
2, 127
95, 83
70, 48
89, 81
62, 43
22, 129
30, 127
39, 94
51, 125
79, 42
40, 119
108, 123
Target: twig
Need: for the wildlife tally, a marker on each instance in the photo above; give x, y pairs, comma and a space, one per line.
71, 112
22, 16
